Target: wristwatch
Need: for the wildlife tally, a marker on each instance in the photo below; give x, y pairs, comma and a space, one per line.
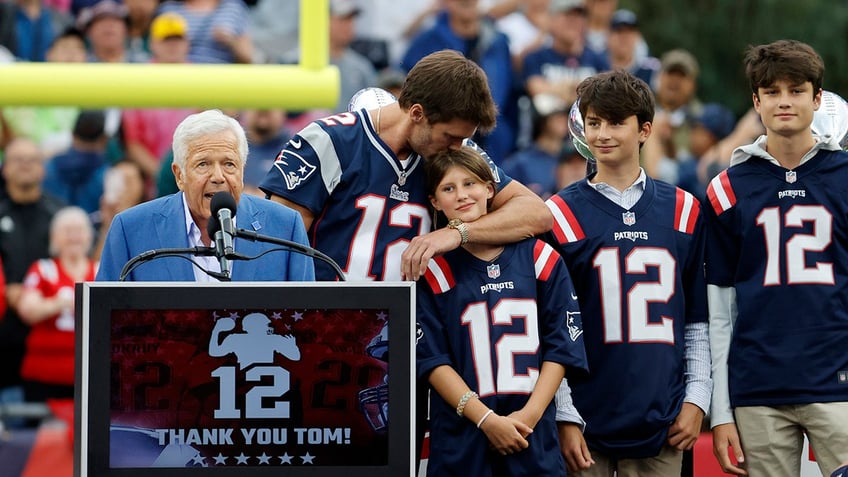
459, 225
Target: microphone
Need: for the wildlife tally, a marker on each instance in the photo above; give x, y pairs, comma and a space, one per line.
221, 228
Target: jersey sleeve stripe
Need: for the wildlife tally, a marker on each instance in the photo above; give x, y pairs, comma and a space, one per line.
566, 227
685, 212
439, 276
322, 144
544, 259
720, 193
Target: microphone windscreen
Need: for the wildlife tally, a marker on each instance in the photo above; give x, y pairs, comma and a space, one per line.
222, 200
213, 225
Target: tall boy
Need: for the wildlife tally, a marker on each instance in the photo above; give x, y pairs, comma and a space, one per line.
635, 250
777, 280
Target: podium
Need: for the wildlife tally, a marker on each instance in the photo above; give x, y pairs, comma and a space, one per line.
244, 379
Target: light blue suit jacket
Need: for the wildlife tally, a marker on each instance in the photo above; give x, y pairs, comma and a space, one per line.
160, 223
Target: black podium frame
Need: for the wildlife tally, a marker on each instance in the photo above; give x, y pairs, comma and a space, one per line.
98, 302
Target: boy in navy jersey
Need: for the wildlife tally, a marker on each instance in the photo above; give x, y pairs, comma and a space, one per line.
635, 250
777, 252
498, 327
357, 177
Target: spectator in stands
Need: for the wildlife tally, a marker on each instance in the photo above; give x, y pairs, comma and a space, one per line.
217, 29
677, 108
266, 137
76, 176
599, 15
148, 132
47, 306
536, 165
49, 126
33, 29
25, 217
571, 167
715, 123
356, 71
140, 14
105, 28
461, 26
558, 68
123, 187
274, 29
623, 47
525, 23
391, 79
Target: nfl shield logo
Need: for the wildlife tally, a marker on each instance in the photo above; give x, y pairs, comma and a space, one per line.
629, 218
791, 176
493, 270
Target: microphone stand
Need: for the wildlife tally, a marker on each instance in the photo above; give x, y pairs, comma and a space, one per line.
294, 246
149, 255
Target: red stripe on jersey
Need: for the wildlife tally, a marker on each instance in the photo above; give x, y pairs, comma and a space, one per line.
439, 276
720, 193
570, 230
693, 216
545, 259
685, 211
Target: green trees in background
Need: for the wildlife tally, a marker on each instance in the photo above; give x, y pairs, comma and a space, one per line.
718, 31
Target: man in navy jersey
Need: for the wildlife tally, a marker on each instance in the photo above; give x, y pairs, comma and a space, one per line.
635, 250
357, 177
777, 279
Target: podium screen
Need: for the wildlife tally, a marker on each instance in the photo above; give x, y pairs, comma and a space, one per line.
244, 379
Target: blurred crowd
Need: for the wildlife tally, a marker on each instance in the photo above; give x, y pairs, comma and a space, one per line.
66, 172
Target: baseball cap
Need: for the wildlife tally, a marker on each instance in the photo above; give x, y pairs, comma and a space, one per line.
564, 6
104, 8
624, 19
344, 8
90, 125
680, 60
717, 119
168, 25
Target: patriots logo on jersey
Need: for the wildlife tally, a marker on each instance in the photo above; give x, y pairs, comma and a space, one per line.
573, 325
294, 168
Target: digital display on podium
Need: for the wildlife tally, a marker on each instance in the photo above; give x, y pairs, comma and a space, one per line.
295, 379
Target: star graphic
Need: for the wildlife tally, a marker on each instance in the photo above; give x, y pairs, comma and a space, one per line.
285, 458
220, 459
264, 459
276, 316
307, 459
198, 459
302, 170
242, 459
382, 316
234, 315
215, 315
297, 316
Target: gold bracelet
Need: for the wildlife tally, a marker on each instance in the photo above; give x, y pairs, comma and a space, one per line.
460, 408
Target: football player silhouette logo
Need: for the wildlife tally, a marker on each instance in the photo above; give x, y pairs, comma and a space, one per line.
256, 345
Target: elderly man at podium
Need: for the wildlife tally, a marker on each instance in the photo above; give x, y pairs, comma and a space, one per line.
171, 238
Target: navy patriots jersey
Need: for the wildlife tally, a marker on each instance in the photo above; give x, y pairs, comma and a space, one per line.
367, 204
781, 239
639, 276
495, 323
